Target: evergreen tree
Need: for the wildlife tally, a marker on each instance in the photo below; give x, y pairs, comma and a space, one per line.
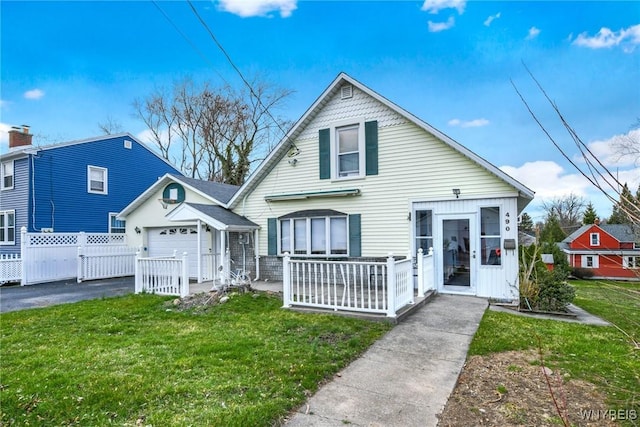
589, 216
526, 223
552, 232
627, 203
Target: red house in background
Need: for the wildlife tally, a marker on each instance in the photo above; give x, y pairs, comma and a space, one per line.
612, 251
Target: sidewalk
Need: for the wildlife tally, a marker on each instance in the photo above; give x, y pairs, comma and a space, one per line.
406, 377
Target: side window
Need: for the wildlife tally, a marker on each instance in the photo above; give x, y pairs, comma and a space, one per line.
490, 236
97, 180
348, 151
7, 227
116, 225
424, 230
595, 239
7, 175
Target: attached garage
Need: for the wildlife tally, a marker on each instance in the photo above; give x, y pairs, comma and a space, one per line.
162, 241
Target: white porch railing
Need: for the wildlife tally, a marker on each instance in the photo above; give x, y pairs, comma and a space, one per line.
103, 262
370, 287
163, 275
10, 268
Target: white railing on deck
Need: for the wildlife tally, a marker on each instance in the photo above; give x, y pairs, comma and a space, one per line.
103, 262
10, 268
426, 272
162, 275
371, 287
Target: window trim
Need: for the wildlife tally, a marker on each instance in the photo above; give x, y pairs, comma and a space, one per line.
333, 147
3, 176
597, 236
105, 175
627, 265
6, 227
484, 262
595, 261
308, 237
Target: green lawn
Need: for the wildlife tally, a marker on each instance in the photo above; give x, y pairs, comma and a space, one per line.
606, 356
136, 361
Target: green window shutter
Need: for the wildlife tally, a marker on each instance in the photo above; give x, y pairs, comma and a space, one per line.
371, 147
324, 154
272, 236
354, 236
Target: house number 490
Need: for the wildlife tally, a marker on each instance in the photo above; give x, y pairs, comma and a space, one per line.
507, 221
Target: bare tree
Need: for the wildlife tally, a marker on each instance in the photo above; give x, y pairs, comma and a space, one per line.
213, 133
567, 209
110, 126
629, 145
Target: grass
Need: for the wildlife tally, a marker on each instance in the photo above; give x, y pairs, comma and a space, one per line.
134, 361
605, 356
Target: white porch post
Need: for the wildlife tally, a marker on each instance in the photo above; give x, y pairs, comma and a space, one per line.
184, 289
256, 250
286, 281
199, 251
420, 261
391, 286
137, 274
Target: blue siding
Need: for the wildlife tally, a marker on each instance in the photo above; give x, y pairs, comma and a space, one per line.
18, 200
62, 201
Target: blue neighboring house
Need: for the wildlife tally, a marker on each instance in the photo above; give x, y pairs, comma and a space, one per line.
74, 186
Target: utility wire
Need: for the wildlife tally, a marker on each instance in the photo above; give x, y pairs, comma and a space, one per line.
224, 52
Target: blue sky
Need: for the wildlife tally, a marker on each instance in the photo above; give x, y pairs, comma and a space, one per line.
67, 66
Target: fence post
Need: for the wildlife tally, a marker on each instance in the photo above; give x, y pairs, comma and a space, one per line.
80, 265
137, 275
431, 270
286, 280
420, 261
184, 289
391, 286
23, 256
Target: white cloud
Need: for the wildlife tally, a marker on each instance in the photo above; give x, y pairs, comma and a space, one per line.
605, 38
435, 6
4, 137
609, 151
469, 123
436, 27
491, 18
34, 94
248, 8
533, 33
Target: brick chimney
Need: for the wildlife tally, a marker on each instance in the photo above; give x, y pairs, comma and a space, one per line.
20, 138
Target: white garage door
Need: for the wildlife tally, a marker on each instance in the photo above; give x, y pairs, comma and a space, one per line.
163, 241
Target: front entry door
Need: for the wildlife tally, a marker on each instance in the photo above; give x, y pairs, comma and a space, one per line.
458, 253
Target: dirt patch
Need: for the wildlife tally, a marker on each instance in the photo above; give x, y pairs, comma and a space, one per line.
510, 389
204, 300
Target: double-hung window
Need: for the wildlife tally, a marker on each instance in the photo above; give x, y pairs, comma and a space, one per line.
594, 238
7, 227
348, 151
321, 235
97, 180
490, 236
424, 230
7, 175
632, 262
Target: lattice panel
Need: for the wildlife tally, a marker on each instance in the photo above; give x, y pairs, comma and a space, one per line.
50, 239
105, 239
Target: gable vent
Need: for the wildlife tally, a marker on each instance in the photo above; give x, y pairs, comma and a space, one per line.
127, 144
346, 92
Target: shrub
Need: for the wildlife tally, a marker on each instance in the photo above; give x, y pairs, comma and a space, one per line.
555, 294
581, 273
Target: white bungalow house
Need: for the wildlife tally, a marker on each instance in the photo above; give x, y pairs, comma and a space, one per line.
356, 178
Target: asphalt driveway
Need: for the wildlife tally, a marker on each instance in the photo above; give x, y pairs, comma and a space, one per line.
18, 297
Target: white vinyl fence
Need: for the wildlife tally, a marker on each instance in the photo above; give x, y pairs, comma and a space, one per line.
10, 268
370, 287
48, 257
162, 275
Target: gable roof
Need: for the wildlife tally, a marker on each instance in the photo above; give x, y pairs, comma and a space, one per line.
217, 216
24, 150
525, 194
217, 192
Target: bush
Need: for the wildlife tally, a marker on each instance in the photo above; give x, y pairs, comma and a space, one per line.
581, 273
555, 293
540, 289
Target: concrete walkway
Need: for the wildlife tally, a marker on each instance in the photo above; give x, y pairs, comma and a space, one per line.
406, 377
